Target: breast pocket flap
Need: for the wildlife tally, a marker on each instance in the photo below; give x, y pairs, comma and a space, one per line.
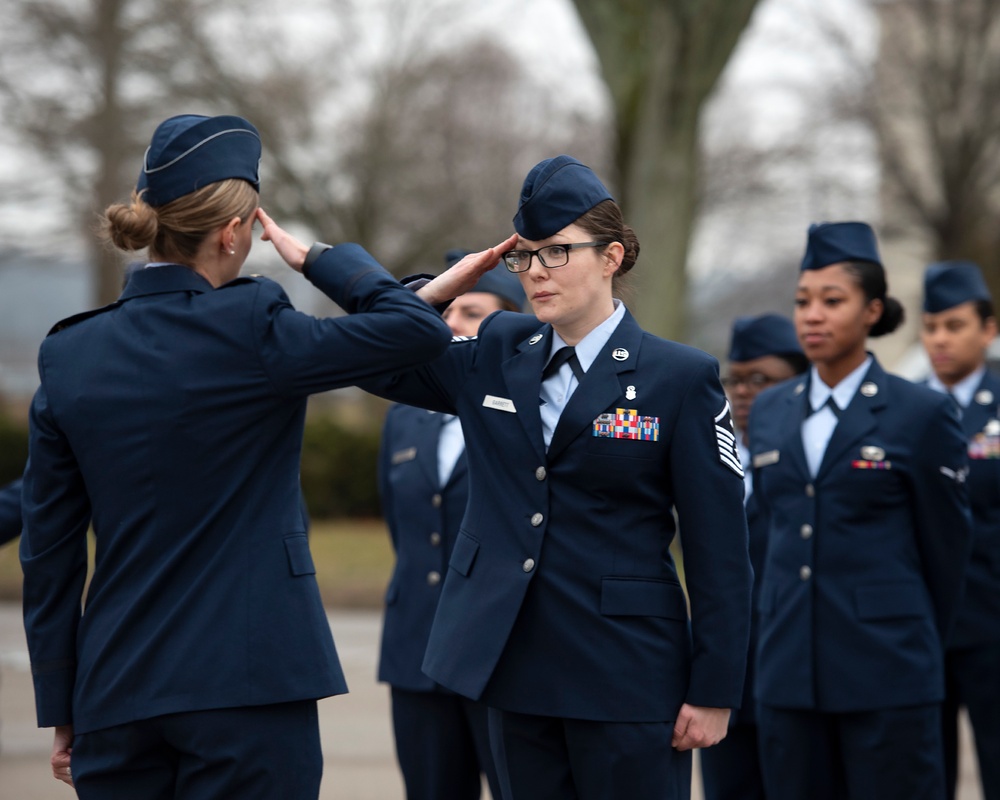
300, 560
464, 554
641, 597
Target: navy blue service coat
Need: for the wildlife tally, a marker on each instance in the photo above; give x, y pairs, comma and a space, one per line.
172, 420
561, 597
423, 519
979, 617
865, 561
10, 511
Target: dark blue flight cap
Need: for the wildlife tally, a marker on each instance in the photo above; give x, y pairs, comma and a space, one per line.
191, 151
557, 192
499, 280
951, 283
765, 335
836, 242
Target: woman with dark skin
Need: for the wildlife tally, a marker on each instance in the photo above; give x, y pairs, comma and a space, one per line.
860, 475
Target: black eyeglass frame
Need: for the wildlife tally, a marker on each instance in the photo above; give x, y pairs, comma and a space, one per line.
541, 259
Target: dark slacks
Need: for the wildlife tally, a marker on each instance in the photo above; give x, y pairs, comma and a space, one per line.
731, 769
442, 745
972, 679
568, 759
891, 754
253, 753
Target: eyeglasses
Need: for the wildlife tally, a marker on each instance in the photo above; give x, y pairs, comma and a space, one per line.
555, 255
754, 381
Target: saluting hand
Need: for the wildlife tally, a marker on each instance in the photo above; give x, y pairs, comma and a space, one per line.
288, 247
460, 278
699, 726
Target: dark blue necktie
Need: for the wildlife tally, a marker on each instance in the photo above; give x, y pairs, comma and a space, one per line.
562, 356
832, 405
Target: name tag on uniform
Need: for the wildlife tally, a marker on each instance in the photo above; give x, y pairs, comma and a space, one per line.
766, 459
499, 403
402, 456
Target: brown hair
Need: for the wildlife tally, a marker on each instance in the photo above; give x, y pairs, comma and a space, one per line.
605, 223
175, 231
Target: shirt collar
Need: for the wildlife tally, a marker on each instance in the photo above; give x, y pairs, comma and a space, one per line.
842, 393
963, 390
590, 346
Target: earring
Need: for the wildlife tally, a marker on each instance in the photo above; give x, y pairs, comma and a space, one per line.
232, 252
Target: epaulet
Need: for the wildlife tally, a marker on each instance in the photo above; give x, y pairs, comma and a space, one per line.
70, 321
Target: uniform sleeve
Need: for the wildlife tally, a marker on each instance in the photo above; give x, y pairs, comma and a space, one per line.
942, 512
388, 327
708, 492
437, 384
10, 511
54, 560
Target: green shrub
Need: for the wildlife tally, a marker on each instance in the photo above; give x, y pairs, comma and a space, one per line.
339, 466
13, 449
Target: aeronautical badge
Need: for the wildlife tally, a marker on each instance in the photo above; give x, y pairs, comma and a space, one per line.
984, 398
535, 339
872, 453
725, 436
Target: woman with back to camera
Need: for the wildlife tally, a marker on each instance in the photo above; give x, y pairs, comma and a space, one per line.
172, 421
861, 476
561, 608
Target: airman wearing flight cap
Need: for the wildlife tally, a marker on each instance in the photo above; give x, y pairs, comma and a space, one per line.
561, 608
442, 739
171, 421
860, 476
957, 327
763, 351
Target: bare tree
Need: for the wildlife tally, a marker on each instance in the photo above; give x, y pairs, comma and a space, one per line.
408, 148
661, 60
932, 100
83, 84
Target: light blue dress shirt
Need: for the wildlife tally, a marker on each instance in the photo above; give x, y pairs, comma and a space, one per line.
451, 443
558, 388
963, 390
819, 426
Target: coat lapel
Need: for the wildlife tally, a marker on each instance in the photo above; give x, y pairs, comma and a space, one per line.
600, 388
522, 373
858, 419
797, 410
429, 427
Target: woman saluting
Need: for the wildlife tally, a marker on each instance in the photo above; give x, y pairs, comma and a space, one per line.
562, 608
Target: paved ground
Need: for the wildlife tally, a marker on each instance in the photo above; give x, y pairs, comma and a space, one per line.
356, 731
